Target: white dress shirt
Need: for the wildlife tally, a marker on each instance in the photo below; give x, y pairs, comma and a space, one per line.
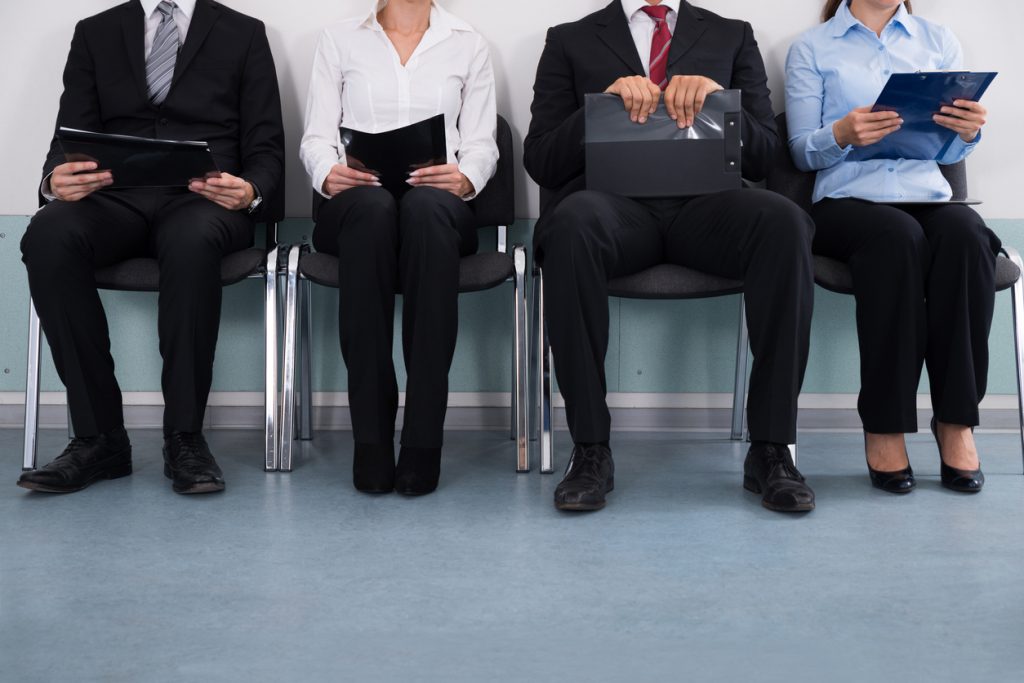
642, 26
182, 16
359, 82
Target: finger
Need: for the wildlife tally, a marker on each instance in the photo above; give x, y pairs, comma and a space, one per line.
655, 91
626, 94
954, 123
965, 114
431, 171
349, 173
85, 179
75, 167
636, 102
882, 125
873, 116
698, 101
670, 99
688, 102
970, 104
226, 182
645, 105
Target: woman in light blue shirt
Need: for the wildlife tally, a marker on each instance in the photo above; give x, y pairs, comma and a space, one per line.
923, 275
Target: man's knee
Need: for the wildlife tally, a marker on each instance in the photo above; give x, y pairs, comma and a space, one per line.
571, 226
53, 239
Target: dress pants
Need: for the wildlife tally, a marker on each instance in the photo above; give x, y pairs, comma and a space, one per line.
753, 235
66, 242
386, 246
924, 283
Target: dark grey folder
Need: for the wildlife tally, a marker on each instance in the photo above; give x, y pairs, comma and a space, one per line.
659, 159
140, 162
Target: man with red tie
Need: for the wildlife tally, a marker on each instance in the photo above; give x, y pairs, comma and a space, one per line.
646, 51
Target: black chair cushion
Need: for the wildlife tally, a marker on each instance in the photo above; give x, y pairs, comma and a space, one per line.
143, 274
476, 272
666, 281
835, 275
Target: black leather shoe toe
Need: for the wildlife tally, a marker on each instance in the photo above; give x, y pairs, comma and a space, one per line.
373, 467
189, 464
418, 471
589, 477
83, 462
900, 481
769, 470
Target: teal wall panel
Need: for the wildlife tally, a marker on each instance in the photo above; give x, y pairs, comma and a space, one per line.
655, 346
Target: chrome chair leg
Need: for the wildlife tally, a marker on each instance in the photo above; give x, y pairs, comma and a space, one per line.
28, 461
1017, 300
739, 392
520, 378
271, 359
288, 385
305, 360
544, 365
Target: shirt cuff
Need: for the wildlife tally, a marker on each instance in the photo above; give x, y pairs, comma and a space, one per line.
959, 150
822, 144
474, 176
322, 171
45, 190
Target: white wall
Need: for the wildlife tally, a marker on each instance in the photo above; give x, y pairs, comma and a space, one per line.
34, 38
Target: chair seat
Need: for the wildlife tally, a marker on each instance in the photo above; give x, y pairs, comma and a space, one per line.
667, 281
143, 274
835, 275
476, 271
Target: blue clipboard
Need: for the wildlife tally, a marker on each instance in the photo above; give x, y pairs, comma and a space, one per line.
917, 97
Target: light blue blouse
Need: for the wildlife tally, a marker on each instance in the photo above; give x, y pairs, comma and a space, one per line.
841, 65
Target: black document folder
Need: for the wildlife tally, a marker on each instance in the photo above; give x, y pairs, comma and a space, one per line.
393, 155
918, 97
658, 158
140, 162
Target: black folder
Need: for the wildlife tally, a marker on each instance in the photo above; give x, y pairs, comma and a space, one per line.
917, 97
393, 155
658, 158
140, 162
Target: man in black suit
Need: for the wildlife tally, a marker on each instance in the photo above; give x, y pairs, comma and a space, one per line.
183, 70
643, 51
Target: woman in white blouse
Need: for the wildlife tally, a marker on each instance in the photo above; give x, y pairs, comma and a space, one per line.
408, 61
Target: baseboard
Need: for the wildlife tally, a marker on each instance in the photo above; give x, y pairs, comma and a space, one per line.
490, 411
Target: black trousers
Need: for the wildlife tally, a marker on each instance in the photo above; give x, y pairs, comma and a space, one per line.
924, 282
384, 247
64, 245
753, 235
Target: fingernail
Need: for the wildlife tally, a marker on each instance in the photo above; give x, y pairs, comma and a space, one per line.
643, 119
409, 181
414, 174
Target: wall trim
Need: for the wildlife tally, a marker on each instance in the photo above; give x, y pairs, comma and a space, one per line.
490, 410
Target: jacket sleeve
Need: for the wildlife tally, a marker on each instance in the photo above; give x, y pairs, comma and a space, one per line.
261, 130
553, 149
760, 135
79, 103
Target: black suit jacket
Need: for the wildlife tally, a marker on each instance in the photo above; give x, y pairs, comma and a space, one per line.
224, 89
588, 55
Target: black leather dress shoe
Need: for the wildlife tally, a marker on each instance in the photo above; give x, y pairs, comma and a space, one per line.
589, 476
769, 470
373, 467
961, 481
189, 464
84, 461
418, 471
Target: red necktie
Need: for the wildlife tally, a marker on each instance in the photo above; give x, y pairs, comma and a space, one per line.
660, 44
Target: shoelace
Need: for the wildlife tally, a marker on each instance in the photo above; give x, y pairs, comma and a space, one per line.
588, 463
777, 458
190, 449
73, 448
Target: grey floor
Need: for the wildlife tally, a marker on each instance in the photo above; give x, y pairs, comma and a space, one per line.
683, 577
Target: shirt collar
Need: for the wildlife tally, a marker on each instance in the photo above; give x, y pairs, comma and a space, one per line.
631, 7
440, 18
187, 7
844, 20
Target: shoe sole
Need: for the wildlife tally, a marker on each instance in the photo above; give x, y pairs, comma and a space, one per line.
752, 486
205, 487
113, 473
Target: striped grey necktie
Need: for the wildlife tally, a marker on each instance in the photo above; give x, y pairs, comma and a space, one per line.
163, 55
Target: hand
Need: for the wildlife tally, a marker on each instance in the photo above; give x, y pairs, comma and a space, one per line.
863, 127
447, 177
640, 95
964, 117
344, 177
685, 95
231, 192
73, 181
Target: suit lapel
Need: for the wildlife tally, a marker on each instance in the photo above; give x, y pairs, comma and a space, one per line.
203, 19
690, 26
133, 27
614, 32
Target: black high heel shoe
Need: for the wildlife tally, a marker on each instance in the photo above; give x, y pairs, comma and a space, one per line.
899, 482
962, 481
418, 471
